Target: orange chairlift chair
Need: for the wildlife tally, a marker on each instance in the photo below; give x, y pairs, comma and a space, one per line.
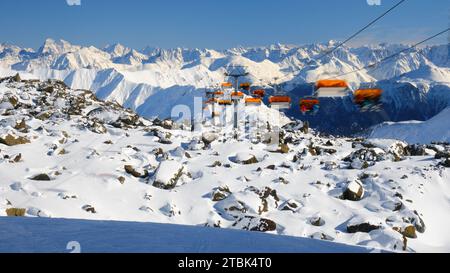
331, 88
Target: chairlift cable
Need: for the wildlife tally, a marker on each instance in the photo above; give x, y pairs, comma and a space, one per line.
360, 31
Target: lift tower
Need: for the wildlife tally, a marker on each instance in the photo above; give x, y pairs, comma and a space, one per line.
236, 72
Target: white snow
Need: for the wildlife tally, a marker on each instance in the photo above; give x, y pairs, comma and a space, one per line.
121, 237
434, 130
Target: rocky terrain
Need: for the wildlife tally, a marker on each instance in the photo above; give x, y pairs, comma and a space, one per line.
66, 154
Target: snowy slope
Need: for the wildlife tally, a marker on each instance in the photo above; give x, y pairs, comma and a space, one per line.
65, 154
40, 235
424, 132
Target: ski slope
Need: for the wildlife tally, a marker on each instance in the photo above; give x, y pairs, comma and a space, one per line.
40, 235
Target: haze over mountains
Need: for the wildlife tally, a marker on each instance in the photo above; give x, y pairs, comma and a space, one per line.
416, 83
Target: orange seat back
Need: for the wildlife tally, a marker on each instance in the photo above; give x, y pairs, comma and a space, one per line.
280, 99
331, 83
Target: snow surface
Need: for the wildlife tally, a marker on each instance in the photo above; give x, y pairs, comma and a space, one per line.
436, 129
39, 235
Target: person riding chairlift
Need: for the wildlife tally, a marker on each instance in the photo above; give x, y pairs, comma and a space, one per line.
368, 99
311, 109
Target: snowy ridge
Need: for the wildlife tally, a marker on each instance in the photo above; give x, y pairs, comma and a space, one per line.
433, 130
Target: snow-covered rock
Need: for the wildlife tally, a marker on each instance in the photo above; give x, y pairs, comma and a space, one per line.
167, 174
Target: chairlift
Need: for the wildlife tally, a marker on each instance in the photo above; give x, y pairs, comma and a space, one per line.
331, 88
259, 93
279, 100
309, 105
227, 85
236, 96
368, 99
253, 102
225, 102
245, 86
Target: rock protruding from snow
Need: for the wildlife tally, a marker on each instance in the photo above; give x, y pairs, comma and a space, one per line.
354, 191
254, 223
245, 158
360, 224
167, 174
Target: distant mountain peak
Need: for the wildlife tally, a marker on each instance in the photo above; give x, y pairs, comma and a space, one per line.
53, 47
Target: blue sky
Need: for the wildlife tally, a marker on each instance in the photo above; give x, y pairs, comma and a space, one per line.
217, 23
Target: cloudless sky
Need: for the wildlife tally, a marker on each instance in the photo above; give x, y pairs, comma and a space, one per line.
217, 24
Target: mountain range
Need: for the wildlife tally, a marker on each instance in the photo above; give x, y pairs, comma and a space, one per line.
152, 81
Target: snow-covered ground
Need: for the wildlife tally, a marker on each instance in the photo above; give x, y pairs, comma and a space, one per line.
39, 235
65, 154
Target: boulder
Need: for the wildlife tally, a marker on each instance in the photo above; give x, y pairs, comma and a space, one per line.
121, 179
282, 149
21, 126
231, 208
245, 159
414, 219
166, 124
220, 193
37, 212
416, 150
15, 212
167, 174
216, 164
170, 210
89, 208
442, 155
321, 236
97, 127
254, 223
446, 163
330, 165
132, 171
362, 225
408, 231
354, 191
291, 205
267, 195
317, 221
66, 195
16, 78
11, 140
365, 157
208, 138
41, 177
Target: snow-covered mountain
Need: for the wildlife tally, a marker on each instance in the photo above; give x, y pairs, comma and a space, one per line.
66, 154
138, 79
